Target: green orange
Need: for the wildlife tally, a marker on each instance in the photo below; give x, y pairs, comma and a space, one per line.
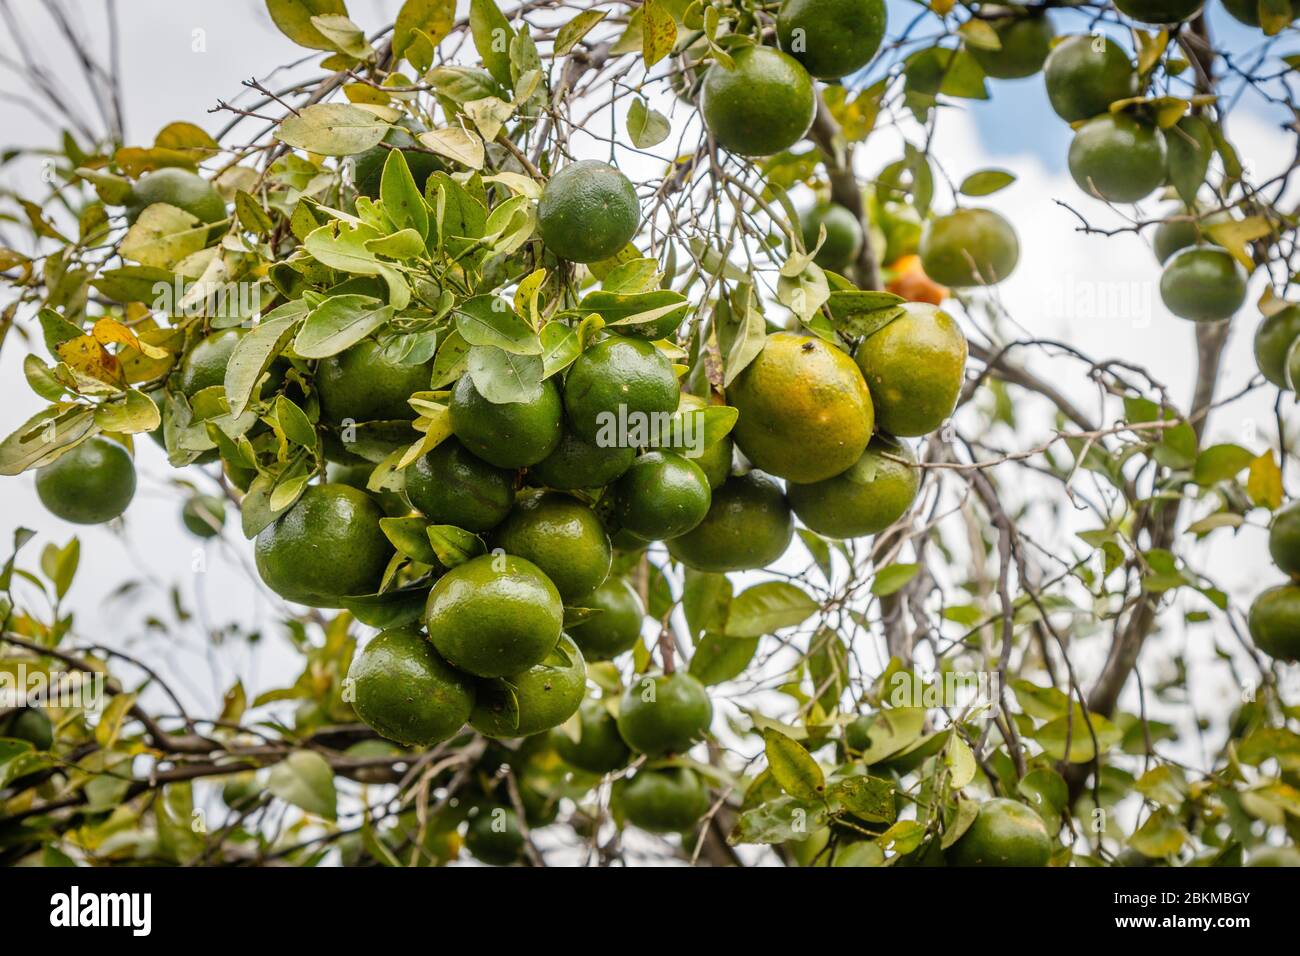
599, 748
451, 486
493, 835
843, 235
763, 105
326, 547
805, 411
661, 496
667, 800
1005, 833
537, 699
563, 537
1026, 39
866, 499
361, 384
615, 382
356, 476
1159, 11
205, 364
368, 166
494, 615
1117, 158
1083, 81
31, 724
1175, 234
915, 367
1247, 12
748, 526
404, 691
1274, 622
617, 625
1273, 340
91, 483
969, 247
1203, 283
664, 713
831, 38
508, 434
203, 515
1284, 538
577, 463
588, 212
715, 457
179, 188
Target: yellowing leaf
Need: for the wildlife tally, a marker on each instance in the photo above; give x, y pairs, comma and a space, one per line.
1235, 233
658, 32
575, 30
163, 236
792, 766
459, 144
293, 17
1264, 482
332, 129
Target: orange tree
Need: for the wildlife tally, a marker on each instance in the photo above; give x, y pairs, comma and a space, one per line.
619, 506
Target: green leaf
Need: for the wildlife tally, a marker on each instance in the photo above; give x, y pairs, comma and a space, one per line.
986, 181
781, 820
390, 609
409, 536
647, 127
718, 659
338, 323
561, 346
892, 729
1160, 836
293, 17
741, 331
492, 37
256, 351
1190, 147
793, 767
163, 236
1221, 463
768, 607
892, 578
345, 36
454, 545
1047, 792
44, 436
1052, 736
434, 18
305, 780
402, 200
489, 320
502, 376
631, 310
135, 413
332, 129
868, 798
575, 30
295, 423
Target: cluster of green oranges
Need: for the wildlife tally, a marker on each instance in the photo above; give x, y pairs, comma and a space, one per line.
1119, 154
1274, 620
